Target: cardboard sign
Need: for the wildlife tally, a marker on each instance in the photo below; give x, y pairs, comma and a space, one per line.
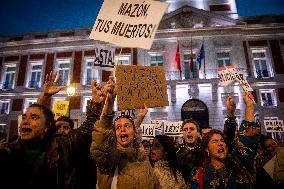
128, 23
104, 56
173, 128
229, 74
148, 130
137, 85
274, 125
60, 109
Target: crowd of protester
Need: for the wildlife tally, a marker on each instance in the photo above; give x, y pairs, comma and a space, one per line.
108, 152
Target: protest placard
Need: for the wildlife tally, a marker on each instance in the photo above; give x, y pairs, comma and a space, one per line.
159, 126
173, 128
104, 56
128, 23
148, 130
137, 85
229, 74
60, 109
274, 125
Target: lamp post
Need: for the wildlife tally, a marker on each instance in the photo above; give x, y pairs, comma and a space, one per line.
70, 91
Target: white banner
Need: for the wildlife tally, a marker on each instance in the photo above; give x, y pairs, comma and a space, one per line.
128, 23
274, 125
104, 56
159, 126
229, 74
173, 128
148, 130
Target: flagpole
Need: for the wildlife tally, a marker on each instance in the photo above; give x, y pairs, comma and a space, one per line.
204, 59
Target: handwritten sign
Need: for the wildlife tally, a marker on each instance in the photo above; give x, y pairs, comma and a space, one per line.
148, 130
274, 125
104, 56
173, 128
60, 109
128, 23
159, 126
137, 85
229, 74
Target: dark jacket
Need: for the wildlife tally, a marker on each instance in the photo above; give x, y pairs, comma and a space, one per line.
58, 162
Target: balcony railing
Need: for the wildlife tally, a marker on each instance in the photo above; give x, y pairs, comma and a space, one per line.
7, 86
34, 84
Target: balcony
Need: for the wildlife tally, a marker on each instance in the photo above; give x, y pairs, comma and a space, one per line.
7, 86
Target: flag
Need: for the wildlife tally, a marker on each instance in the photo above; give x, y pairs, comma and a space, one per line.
177, 59
191, 61
200, 56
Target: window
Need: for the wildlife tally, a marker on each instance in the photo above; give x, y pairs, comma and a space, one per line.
268, 97
223, 59
9, 77
187, 73
86, 98
156, 60
3, 132
122, 60
91, 73
4, 106
35, 75
261, 64
28, 102
63, 69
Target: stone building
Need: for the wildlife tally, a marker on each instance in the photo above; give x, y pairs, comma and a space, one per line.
254, 44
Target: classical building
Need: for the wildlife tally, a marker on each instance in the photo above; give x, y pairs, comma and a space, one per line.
254, 44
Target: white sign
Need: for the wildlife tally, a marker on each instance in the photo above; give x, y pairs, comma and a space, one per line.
173, 128
229, 74
148, 130
274, 125
104, 56
128, 23
159, 126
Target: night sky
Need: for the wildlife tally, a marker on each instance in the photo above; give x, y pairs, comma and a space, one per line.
22, 16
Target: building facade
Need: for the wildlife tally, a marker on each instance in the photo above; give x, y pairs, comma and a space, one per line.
254, 44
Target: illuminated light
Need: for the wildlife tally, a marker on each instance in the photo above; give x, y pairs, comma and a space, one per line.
71, 90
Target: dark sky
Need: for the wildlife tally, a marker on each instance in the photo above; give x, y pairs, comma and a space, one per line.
22, 16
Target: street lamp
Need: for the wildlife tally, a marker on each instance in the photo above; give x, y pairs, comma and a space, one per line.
70, 91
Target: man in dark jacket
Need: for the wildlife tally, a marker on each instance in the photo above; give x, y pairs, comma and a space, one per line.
39, 159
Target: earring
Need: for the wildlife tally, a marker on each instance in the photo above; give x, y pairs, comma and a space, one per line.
208, 154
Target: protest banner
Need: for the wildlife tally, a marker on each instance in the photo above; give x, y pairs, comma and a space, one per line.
137, 85
173, 128
60, 109
274, 125
229, 74
104, 56
159, 126
128, 23
148, 130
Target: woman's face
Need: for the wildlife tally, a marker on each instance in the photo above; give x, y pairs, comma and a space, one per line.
33, 124
146, 146
124, 131
157, 151
217, 147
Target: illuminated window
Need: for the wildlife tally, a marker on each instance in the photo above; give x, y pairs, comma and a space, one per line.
85, 101
268, 97
223, 59
8, 79
261, 65
35, 75
156, 60
63, 69
91, 72
123, 60
4, 106
187, 72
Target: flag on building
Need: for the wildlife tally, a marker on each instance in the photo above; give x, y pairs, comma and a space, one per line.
191, 60
177, 59
200, 56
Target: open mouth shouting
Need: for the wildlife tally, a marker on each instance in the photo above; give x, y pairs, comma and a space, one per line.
124, 138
